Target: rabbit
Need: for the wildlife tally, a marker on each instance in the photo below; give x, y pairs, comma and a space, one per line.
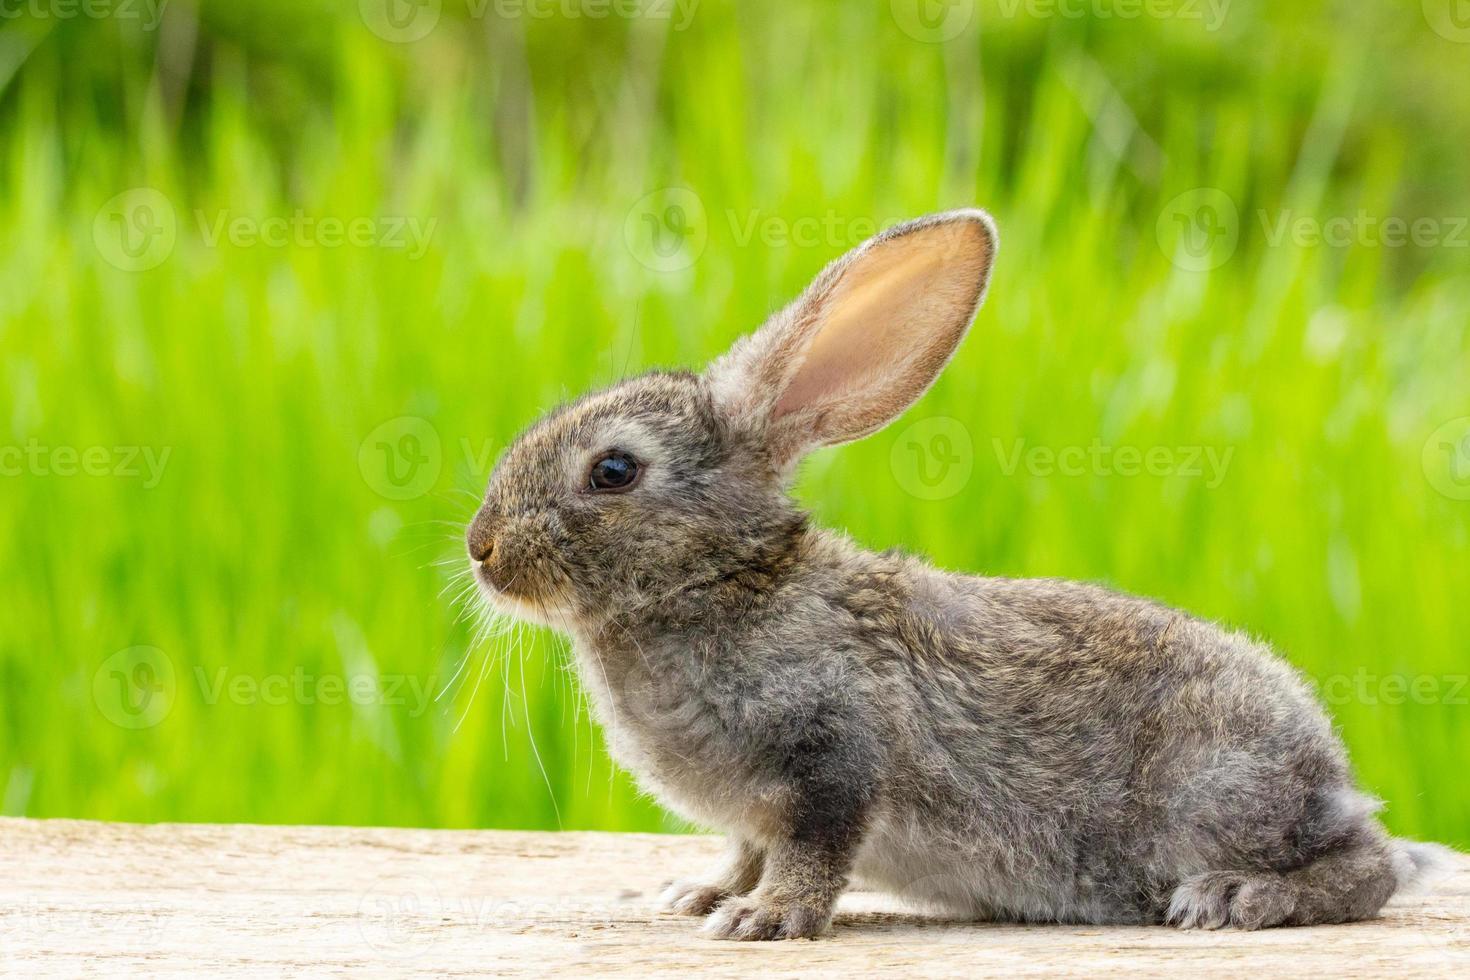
996, 749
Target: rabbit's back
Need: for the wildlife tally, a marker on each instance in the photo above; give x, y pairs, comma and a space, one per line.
1083, 750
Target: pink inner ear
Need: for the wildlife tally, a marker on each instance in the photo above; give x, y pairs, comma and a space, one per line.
889, 325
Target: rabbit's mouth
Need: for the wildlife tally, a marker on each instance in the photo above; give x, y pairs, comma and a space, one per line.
517, 599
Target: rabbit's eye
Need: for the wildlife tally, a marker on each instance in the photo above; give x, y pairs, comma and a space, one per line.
612, 472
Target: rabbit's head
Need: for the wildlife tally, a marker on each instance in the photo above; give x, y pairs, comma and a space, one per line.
668, 481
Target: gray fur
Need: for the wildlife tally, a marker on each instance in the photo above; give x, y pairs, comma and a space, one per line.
1024, 750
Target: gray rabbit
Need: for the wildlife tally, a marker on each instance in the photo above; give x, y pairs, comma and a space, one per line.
1019, 750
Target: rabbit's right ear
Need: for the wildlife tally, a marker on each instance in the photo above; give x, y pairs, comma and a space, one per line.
865, 340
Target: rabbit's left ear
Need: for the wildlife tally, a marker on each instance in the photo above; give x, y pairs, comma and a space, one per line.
865, 340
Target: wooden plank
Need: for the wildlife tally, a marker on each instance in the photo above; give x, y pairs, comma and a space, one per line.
80, 898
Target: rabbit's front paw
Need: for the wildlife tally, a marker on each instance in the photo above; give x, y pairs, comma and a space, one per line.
766, 918
1217, 899
692, 897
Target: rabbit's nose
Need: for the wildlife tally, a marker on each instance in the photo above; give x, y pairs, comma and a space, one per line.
480, 537
483, 551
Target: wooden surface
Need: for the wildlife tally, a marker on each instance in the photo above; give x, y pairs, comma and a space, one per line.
77, 899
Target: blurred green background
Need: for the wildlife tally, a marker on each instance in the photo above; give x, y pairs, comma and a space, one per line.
280, 278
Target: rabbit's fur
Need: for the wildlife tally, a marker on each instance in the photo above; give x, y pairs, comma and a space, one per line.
1006, 749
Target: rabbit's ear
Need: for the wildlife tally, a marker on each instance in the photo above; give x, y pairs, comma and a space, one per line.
865, 340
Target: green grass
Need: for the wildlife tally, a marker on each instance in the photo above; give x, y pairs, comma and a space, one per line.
264, 551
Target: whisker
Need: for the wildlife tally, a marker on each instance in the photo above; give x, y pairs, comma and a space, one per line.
491, 626
535, 750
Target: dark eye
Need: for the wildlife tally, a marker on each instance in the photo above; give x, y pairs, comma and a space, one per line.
614, 471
